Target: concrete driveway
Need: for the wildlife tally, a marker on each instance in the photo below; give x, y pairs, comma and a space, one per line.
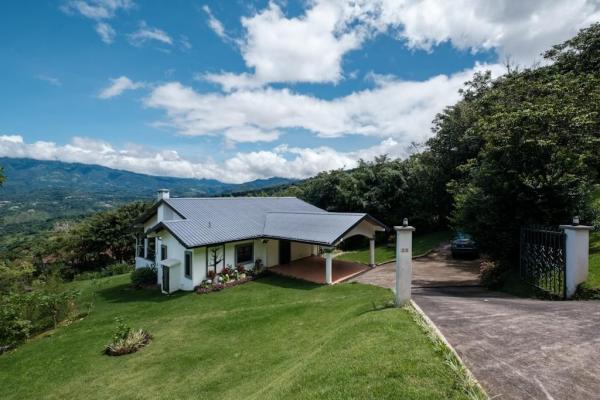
437, 269
517, 348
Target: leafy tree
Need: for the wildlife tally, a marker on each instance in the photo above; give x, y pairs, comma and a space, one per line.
2, 177
99, 239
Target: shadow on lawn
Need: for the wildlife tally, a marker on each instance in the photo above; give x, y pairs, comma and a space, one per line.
125, 293
272, 279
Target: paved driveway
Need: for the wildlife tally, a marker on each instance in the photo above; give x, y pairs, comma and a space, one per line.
435, 270
517, 348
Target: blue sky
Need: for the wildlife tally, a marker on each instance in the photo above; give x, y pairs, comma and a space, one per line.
243, 90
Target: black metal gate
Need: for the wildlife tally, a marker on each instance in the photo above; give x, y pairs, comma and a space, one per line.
543, 259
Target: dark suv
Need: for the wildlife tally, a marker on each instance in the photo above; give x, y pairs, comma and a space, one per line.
464, 245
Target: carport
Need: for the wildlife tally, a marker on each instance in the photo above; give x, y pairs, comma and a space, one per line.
323, 231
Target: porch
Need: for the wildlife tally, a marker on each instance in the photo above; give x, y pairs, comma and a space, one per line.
313, 269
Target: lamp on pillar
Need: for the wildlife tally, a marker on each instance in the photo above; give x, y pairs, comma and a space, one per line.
403, 262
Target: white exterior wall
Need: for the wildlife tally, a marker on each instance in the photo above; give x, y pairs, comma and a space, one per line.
272, 251
301, 250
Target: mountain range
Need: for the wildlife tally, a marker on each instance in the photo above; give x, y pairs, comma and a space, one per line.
37, 193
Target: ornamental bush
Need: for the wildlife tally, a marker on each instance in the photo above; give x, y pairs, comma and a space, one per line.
143, 277
126, 340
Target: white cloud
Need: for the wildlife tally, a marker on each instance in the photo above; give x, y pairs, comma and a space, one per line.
282, 161
402, 110
308, 48
96, 9
520, 30
49, 79
118, 86
311, 47
106, 32
146, 33
214, 24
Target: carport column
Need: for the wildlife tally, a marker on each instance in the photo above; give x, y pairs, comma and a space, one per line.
403, 263
328, 264
372, 252
577, 256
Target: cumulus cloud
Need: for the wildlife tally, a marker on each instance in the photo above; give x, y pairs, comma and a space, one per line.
402, 110
118, 86
98, 10
282, 161
147, 33
106, 32
519, 30
311, 47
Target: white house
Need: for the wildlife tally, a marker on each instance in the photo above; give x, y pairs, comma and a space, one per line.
185, 238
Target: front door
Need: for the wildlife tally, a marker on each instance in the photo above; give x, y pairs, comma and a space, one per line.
165, 279
285, 251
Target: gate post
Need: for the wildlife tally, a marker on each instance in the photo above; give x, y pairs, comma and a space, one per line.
577, 256
403, 262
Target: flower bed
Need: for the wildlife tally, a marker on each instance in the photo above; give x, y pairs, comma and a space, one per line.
228, 277
217, 287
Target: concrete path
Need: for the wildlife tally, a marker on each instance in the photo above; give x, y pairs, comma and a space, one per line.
517, 348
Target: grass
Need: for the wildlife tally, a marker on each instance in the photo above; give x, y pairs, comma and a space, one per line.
421, 245
269, 339
590, 289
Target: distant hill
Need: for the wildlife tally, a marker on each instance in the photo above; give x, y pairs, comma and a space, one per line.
36, 193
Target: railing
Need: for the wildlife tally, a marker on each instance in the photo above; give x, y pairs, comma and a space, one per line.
543, 259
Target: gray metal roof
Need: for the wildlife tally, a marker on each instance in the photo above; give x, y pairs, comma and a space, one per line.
218, 220
322, 227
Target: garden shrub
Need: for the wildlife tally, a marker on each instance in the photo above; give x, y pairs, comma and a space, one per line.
13, 328
142, 277
120, 268
126, 340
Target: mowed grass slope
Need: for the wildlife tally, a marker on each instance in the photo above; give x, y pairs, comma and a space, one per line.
421, 245
274, 338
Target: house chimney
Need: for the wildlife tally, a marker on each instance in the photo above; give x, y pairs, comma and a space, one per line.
162, 194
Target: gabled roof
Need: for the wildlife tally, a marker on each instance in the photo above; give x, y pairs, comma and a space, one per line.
205, 221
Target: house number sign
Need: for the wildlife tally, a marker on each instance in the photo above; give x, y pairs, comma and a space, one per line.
404, 250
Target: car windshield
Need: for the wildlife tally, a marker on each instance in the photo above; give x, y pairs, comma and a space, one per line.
462, 236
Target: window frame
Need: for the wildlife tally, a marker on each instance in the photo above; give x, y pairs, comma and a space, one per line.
191, 263
241, 245
164, 252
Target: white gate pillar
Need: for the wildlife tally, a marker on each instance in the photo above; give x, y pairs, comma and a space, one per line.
577, 256
403, 263
372, 252
328, 265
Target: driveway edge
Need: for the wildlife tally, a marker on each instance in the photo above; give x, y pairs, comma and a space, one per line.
471, 384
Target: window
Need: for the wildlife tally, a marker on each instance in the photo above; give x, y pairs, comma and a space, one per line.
244, 253
163, 252
151, 249
188, 264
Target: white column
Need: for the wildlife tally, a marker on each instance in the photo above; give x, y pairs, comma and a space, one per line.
372, 252
577, 255
328, 265
403, 263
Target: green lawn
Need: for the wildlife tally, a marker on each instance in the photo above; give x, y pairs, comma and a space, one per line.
591, 287
421, 245
273, 338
